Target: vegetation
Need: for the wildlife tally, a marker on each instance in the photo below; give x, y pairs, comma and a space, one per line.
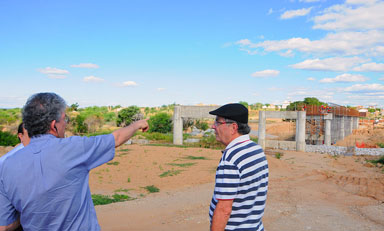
99, 199
378, 161
8, 139
113, 163
196, 158
182, 165
298, 105
202, 125
381, 145
152, 189
278, 155
160, 122
170, 173
127, 115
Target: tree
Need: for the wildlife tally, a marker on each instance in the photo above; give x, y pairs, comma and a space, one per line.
244, 103
160, 122
74, 107
126, 116
80, 126
312, 101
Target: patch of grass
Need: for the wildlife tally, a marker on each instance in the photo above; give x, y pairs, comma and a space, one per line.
167, 137
170, 173
122, 190
377, 161
381, 145
196, 158
124, 150
152, 189
99, 199
278, 155
183, 165
169, 145
113, 163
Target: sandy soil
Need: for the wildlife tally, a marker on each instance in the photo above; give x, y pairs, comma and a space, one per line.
307, 191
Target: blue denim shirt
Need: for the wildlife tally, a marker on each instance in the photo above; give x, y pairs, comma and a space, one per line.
47, 182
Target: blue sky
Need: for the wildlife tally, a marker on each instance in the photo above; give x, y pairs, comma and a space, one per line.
153, 52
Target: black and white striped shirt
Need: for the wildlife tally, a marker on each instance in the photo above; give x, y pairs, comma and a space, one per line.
242, 176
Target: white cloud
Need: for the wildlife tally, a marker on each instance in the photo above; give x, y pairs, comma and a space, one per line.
340, 43
295, 13
329, 64
128, 84
85, 65
92, 79
160, 89
382, 79
265, 73
270, 11
274, 89
345, 17
379, 67
360, 2
344, 78
53, 70
311, 79
365, 88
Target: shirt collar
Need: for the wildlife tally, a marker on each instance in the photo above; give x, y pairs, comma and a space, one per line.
239, 139
42, 137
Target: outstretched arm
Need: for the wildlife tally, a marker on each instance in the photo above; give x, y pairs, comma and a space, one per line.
122, 135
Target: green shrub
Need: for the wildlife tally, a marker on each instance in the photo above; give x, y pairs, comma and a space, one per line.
168, 137
201, 125
99, 199
126, 116
378, 161
7, 139
255, 139
160, 122
80, 126
210, 142
152, 188
381, 145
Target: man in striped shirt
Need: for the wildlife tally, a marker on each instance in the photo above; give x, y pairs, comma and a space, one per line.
240, 194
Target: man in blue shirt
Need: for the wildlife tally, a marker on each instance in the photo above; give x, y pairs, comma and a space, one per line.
52, 172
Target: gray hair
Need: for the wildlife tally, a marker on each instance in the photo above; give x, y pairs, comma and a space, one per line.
40, 110
242, 128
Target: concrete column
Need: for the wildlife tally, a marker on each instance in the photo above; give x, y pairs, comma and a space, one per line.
327, 135
342, 130
177, 126
300, 136
262, 122
356, 122
350, 125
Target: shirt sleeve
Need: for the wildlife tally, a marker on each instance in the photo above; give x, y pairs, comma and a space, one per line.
99, 150
227, 181
8, 213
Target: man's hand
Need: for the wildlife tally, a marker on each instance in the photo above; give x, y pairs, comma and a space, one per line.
221, 215
122, 135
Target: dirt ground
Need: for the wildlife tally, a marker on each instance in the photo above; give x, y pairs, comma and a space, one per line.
307, 191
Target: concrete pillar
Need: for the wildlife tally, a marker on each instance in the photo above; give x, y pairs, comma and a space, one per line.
300, 136
342, 130
262, 125
356, 122
177, 126
350, 125
327, 132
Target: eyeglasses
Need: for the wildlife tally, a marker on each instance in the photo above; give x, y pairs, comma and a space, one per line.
218, 123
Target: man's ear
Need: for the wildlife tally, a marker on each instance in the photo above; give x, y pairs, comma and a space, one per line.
52, 128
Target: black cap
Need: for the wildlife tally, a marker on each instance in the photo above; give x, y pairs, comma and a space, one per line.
233, 111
